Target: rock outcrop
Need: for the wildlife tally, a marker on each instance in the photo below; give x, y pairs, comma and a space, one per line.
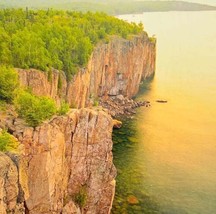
65, 167
113, 69
9, 188
119, 105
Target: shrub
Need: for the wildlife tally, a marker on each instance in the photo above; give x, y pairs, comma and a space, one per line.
96, 103
8, 143
34, 109
152, 39
64, 108
80, 198
8, 83
3, 105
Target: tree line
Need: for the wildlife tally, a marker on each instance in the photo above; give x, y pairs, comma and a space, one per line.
63, 40
46, 39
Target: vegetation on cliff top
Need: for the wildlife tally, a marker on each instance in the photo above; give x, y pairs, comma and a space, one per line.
49, 39
62, 40
44, 40
33, 109
8, 83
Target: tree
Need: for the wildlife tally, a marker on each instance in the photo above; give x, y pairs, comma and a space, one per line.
34, 109
8, 83
62, 40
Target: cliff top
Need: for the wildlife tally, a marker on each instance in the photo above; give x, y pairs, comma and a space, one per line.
45, 39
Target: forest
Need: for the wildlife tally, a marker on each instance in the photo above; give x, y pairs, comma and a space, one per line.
47, 39
64, 40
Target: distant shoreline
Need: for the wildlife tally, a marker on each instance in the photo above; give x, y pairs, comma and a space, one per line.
113, 7
125, 14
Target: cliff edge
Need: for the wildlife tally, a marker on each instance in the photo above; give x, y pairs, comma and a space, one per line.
113, 69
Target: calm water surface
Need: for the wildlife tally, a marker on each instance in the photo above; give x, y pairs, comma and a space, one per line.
166, 155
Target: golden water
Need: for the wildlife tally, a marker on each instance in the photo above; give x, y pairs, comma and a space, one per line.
174, 151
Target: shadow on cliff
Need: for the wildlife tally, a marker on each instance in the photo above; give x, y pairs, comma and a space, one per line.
145, 86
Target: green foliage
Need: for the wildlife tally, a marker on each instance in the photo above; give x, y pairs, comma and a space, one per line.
3, 105
59, 39
8, 83
8, 143
96, 102
64, 108
34, 109
152, 39
80, 198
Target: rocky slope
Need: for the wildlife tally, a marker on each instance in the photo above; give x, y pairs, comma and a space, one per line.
62, 161
114, 68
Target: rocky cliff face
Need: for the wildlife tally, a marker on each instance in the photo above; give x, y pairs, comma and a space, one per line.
65, 166
114, 68
9, 188
66, 163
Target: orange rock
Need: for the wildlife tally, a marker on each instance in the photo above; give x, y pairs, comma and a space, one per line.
8, 185
61, 156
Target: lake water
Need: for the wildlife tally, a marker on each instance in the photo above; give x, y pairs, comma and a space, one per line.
166, 155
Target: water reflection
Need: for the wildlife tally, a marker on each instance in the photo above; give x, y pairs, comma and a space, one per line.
166, 153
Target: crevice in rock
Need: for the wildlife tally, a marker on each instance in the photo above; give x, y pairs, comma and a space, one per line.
15, 159
10, 130
72, 142
5, 187
26, 208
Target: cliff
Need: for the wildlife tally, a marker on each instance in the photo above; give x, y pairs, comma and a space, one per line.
114, 68
65, 166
